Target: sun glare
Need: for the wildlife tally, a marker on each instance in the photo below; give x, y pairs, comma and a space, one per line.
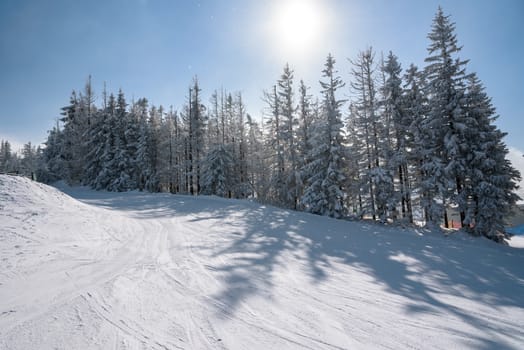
297, 26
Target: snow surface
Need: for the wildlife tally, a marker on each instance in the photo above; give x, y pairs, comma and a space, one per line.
157, 271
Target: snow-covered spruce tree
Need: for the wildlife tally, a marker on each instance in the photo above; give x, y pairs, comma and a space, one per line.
490, 180
228, 125
287, 131
196, 124
241, 187
167, 152
356, 187
213, 132
415, 106
304, 130
274, 147
179, 135
324, 193
445, 123
256, 171
28, 163
367, 132
132, 136
6, 156
185, 148
123, 158
314, 199
71, 133
89, 113
52, 156
153, 148
95, 140
107, 173
398, 123
217, 170
76, 119
139, 108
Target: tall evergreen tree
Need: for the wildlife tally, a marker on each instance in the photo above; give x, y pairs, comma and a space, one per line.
287, 132
366, 133
445, 87
140, 109
217, 171
398, 122
490, 179
415, 112
277, 192
197, 122
126, 139
256, 172
5, 156
304, 131
324, 193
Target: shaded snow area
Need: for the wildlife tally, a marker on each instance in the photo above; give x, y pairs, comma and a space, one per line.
102, 270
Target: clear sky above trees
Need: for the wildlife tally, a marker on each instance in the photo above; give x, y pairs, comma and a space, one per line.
154, 48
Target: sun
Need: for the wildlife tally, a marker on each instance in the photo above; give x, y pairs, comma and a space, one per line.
297, 26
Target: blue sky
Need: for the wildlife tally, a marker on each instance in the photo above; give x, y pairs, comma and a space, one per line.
153, 49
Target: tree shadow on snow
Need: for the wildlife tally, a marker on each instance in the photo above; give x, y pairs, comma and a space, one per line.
405, 262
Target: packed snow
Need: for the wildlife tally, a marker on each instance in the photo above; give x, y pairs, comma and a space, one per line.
100, 270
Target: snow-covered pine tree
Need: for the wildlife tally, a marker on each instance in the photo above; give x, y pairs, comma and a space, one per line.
256, 172
88, 114
274, 146
167, 152
356, 186
109, 126
490, 179
77, 119
95, 141
444, 126
132, 136
217, 170
52, 156
242, 188
213, 133
333, 183
197, 122
71, 134
398, 123
153, 148
179, 135
304, 129
28, 162
314, 199
415, 109
123, 147
366, 133
324, 193
5, 156
287, 135
139, 109
184, 143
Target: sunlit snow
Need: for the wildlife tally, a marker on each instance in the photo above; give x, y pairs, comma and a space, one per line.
157, 271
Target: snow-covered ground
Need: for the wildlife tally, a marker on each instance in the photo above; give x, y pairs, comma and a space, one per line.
157, 271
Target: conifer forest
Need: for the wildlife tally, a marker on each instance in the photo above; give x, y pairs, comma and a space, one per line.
393, 144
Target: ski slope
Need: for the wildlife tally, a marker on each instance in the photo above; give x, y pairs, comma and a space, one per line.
98, 270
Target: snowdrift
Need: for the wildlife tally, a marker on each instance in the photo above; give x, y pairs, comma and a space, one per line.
157, 271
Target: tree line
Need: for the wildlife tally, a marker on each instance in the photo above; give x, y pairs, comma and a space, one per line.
409, 146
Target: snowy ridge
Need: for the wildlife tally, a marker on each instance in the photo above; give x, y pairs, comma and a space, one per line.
156, 271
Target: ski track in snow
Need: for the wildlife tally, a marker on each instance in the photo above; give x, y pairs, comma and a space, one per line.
157, 271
